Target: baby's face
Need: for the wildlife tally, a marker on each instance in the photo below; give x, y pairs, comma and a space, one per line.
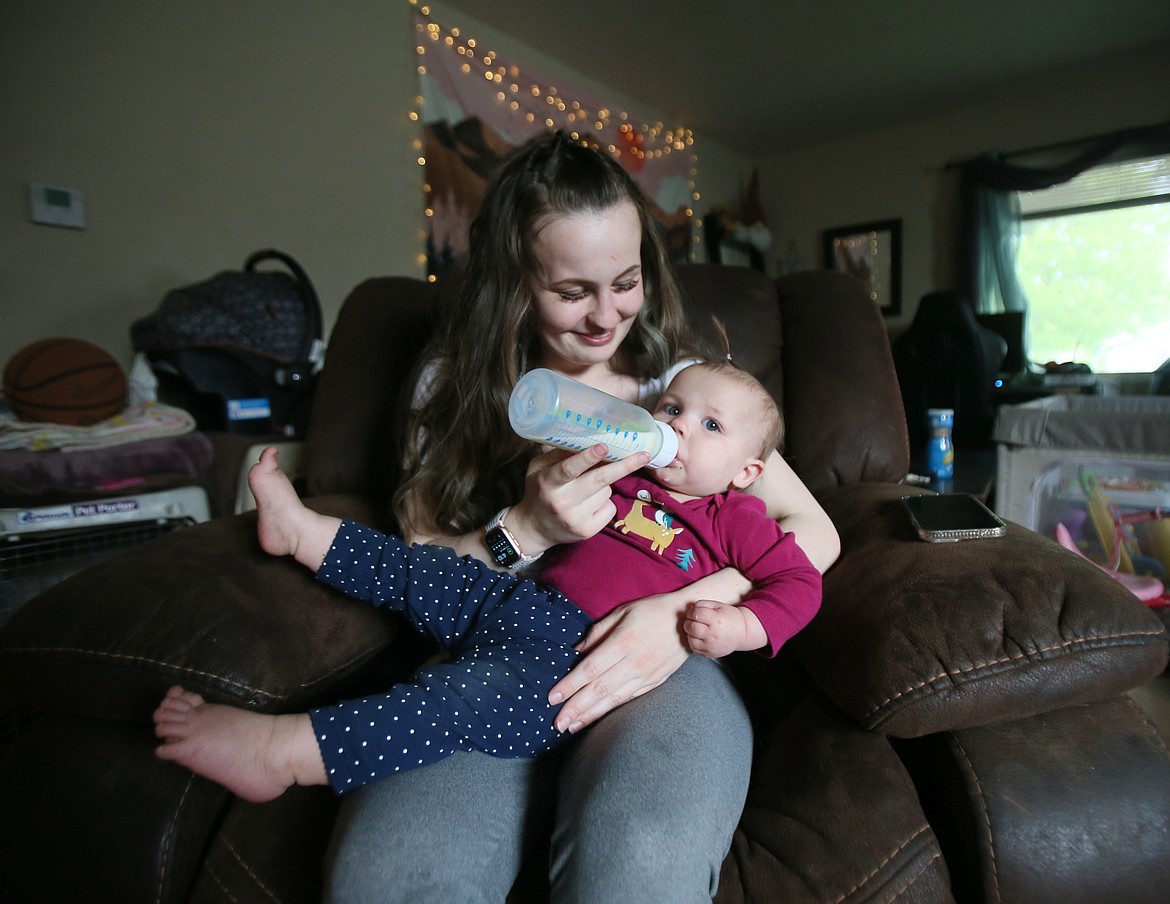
718, 434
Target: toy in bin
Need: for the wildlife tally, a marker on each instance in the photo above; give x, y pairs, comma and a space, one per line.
1135, 544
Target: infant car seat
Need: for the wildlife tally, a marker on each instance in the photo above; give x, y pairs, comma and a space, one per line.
241, 350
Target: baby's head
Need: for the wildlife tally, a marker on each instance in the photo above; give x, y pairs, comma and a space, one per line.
727, 425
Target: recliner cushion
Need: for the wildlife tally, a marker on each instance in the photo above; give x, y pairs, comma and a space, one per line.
1067, 806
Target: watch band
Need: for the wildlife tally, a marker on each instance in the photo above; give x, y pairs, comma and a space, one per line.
502, 544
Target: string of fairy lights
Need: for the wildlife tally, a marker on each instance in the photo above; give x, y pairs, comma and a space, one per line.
613, 131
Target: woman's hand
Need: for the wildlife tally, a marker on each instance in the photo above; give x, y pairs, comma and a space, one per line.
567, 497
634, 649
628, 652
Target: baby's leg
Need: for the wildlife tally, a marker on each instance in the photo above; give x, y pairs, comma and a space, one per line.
254, 755
492, 700
444, 596
287, 527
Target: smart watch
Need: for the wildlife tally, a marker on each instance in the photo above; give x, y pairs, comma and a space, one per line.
502, 545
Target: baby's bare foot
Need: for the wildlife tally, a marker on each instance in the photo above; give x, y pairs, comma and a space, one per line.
254, 755
280, 510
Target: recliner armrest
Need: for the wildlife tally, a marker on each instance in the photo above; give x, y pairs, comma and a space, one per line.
914, 637
203, 607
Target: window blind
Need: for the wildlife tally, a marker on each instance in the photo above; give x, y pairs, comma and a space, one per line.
1110, 184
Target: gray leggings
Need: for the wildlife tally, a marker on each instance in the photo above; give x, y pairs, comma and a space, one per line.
646, 802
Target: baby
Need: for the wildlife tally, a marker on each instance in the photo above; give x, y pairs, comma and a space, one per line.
510, 638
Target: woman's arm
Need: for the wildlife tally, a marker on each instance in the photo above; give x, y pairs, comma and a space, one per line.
789, 501
634, 649
566, 499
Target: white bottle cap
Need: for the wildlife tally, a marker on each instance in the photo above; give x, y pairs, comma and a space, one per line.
669, 446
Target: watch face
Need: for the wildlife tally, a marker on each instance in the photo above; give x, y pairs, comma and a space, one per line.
501, 548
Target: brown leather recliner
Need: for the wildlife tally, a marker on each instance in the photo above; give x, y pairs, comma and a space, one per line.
951, 727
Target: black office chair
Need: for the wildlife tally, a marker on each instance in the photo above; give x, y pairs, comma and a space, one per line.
945, 359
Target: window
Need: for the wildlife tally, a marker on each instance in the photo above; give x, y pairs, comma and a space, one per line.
1094, 265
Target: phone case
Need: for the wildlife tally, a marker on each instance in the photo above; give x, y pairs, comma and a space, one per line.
950, 517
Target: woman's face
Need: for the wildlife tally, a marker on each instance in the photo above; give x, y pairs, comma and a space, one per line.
587, 284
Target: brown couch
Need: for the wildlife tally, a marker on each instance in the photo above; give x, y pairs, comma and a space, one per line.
951, 727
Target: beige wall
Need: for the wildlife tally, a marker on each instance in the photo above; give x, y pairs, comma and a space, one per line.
899, 171
200, 132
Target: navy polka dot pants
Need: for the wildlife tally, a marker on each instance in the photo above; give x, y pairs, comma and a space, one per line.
510, 640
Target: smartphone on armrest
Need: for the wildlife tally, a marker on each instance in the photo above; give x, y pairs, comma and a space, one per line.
949, 517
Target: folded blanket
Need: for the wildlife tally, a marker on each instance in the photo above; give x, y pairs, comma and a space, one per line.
143, 420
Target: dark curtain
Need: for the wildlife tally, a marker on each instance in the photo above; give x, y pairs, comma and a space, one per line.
990, 211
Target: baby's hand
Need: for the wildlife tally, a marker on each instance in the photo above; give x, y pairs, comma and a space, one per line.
715, 629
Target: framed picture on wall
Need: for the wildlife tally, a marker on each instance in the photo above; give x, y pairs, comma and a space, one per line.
873, 253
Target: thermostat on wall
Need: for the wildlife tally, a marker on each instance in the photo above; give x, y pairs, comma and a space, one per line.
56, 206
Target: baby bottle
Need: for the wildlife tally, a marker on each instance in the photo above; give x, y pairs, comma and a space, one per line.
551, 408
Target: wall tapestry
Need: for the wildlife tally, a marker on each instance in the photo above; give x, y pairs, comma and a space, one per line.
475, 107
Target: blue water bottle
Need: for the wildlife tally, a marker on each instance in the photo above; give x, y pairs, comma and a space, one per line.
940, 449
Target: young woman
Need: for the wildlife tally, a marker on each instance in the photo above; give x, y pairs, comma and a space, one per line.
566, 270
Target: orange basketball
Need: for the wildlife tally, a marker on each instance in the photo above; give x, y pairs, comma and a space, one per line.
64, 381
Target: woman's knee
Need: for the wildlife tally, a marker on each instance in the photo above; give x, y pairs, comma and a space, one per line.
452, 831
649, 800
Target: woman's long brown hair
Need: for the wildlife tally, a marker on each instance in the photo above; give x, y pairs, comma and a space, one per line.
462, 462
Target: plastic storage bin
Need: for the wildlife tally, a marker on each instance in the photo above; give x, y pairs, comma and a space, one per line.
1106, 504
1081, 461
